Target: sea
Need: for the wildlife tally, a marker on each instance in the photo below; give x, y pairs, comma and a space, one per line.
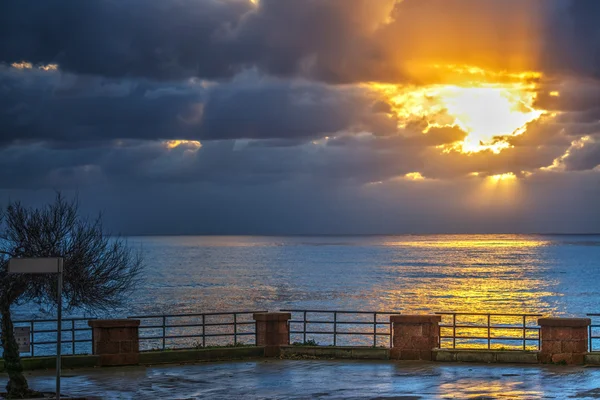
546, 274
551, 275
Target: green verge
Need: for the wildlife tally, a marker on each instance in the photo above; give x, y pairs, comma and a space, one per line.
77, 361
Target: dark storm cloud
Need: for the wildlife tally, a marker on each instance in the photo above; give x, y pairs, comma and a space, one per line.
335, 41
179, 39
56, 107
49, 106
290, 111
120, 38
582, 157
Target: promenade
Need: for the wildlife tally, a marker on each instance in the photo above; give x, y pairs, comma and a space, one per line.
328, 379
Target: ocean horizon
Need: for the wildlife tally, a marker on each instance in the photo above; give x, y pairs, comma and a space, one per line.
498, 273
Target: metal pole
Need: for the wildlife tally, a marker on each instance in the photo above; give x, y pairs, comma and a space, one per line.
204, 331
234, 328
73, 336
374, 329
304, 327
164, 332
33, 339
453, 331
524, 332
489, 329
335, 328
59, 330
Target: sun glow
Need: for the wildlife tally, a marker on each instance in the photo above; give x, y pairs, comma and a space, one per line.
488, 106
509, 176
414, 176
488, 114
190, 144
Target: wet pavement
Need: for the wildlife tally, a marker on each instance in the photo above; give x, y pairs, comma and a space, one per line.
327, 379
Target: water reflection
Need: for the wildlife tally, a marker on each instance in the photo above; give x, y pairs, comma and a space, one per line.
474, 275
480, 388
412, 273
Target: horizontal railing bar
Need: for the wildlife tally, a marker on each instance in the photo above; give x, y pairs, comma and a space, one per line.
66, 330
21, 321
479, 348
196, 314
196, 336
194, 325
207, 335
593, 315
338, 322
345, 312
340, 333
490, 314
519, 339
63, 341
532, 328
199, 325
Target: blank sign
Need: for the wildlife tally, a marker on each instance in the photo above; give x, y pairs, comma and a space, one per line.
35, 265
22, 336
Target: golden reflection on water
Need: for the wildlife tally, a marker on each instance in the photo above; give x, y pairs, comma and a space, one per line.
505, 243
479, 275
473, 388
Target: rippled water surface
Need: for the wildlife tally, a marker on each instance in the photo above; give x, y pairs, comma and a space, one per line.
476, 273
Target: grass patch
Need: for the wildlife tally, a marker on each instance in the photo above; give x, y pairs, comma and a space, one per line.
309, 342
199, 346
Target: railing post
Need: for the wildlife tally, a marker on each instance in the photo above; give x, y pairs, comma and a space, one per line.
564, 339
304, 338
72, 336
415, 336
234, 328
272, 331
335, 328
204, 331
116, 341
32, 340
164, 331
524, 332
391, 328
454, 331
489, 331
374, 329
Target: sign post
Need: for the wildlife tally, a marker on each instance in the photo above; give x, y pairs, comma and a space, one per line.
45, 266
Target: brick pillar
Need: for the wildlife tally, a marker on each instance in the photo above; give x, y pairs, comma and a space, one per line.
272, 331
564, 339
415, 336
116, 341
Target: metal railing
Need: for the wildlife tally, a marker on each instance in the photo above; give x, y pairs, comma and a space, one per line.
196, 330
594, 333
343, 328
76, 336
489, 331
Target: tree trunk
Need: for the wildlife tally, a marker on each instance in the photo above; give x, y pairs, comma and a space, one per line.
17, 384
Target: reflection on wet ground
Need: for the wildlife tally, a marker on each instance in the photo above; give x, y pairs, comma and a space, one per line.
330, 379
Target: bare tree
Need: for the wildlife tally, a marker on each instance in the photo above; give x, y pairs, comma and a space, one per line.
99, 270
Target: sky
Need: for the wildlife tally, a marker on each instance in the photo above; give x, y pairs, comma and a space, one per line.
305, 116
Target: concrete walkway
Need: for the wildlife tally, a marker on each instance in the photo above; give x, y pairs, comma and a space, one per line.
331, 379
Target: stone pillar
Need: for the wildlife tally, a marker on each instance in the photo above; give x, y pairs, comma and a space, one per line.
272, 331
414, 336
564, 340
116, 341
